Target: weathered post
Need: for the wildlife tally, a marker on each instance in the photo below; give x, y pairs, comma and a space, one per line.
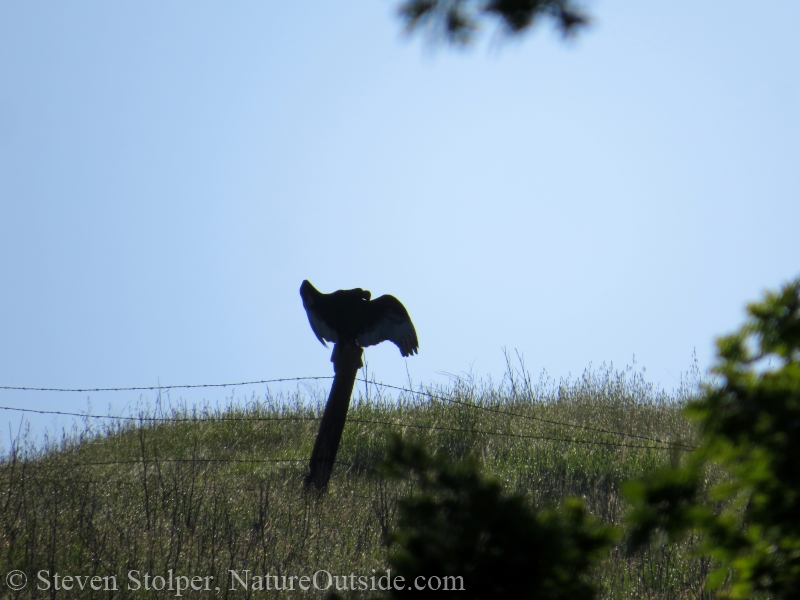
346, 361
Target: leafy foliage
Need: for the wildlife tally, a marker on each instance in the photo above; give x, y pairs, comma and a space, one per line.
459, 524
749, 426
456, 21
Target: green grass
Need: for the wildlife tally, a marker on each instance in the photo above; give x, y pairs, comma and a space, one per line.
144, 495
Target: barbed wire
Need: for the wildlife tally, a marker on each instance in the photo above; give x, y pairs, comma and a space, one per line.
152, 461
156, 461
196, 419
528, 417
148, 418
158, 387
145, 419
514, 435
417, 426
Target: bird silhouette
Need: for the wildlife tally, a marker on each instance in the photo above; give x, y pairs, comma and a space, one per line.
351, 317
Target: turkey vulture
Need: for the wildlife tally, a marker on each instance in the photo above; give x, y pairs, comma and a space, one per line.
350, 317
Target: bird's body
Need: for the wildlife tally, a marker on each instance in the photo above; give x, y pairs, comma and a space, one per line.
351, 317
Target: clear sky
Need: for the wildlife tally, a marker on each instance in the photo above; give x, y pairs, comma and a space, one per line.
171, 172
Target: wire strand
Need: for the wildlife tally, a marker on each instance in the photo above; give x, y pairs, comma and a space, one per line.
529, 417
158, 419
159, 387
665, 443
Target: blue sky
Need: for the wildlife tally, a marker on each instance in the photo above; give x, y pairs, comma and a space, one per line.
171, 172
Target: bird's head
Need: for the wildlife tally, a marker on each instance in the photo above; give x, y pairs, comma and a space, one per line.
307, 292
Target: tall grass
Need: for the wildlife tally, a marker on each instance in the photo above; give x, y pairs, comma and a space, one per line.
220, 489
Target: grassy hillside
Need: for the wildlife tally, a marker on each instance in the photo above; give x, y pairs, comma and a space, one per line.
200, 494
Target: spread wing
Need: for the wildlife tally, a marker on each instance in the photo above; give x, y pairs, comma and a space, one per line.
311, 299
320, 328
388, 319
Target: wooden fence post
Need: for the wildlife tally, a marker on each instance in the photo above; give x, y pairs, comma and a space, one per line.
346, 363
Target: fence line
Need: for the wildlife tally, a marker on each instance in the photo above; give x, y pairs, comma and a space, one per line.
432, 395
411, 426
529, 417
158, 387
385, 423
513, 435
146, 419
299, 461
152, 461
